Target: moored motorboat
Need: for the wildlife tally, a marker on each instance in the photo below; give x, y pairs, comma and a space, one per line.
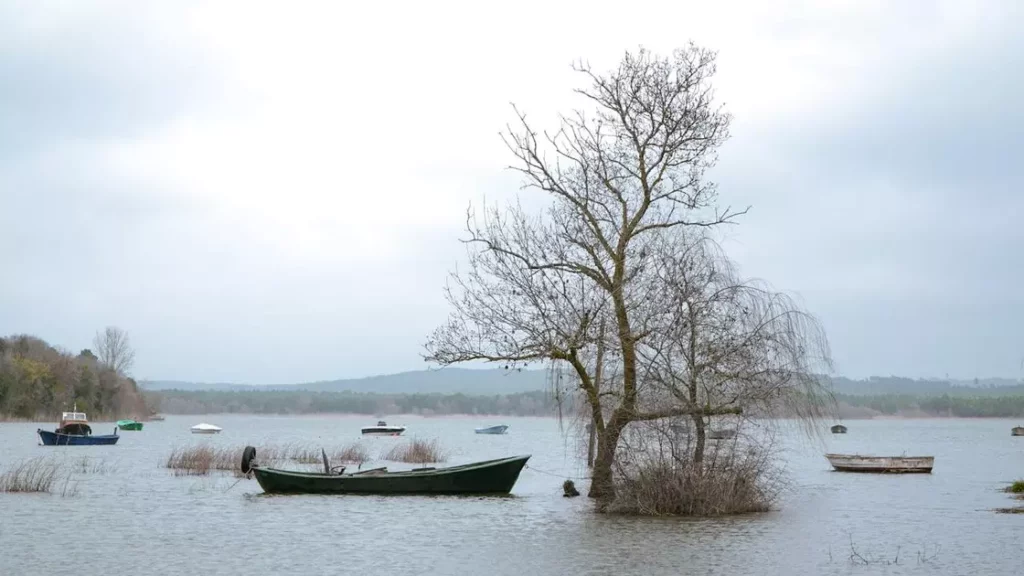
885, 464
1017, 431
487, 477
74, 430
382, 429
129, 425
839, 429
205, 428
499, 429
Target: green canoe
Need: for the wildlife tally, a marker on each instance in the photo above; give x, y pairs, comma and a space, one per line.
488, 477
129, 425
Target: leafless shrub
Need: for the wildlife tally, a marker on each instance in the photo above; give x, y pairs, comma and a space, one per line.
33, 475
658, 474
417, 452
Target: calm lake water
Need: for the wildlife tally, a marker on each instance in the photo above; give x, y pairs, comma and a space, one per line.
138, 518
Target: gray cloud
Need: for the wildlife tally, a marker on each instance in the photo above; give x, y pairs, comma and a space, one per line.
891, 209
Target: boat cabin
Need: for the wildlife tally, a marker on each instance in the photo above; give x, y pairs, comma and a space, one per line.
74, 423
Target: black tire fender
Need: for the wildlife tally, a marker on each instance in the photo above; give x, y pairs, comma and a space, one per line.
248, 455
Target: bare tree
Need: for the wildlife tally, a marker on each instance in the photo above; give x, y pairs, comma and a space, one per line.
592, 269
114, 349
618, 179
728, 344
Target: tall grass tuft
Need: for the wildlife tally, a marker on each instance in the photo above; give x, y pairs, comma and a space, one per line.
200, 460
416, 452
33, 475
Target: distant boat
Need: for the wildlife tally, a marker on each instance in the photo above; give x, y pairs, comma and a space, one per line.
889, 464
839, 429
499, 429
129, 425
382, 429
488, 477
722, 434
156, 418
206, 429
74, 430
1017, 431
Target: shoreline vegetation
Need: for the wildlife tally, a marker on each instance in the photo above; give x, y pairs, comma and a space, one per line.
38, 381
542, 403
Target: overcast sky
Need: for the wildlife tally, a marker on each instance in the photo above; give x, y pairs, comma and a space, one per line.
274, 195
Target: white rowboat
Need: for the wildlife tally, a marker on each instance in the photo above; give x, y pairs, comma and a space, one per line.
888, 464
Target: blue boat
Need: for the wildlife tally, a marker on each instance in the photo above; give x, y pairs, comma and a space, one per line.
499, 429
74, 430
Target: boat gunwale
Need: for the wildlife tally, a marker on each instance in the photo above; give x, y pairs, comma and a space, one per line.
414, 472
865, 457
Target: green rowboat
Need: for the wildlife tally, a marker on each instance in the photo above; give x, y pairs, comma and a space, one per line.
488, 477
129, 425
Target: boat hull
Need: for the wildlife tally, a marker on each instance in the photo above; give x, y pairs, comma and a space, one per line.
492, 430
134, 426
1017, 431
54, 439
383, 431
882, 464
489, 477
205, 431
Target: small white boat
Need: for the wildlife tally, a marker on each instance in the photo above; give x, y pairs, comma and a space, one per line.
206, 429
499, 429
889, 464
382, 429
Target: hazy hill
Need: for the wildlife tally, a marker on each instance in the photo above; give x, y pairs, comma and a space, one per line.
442, 381
485, 382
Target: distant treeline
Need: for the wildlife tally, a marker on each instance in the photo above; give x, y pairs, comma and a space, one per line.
894, 385
1008, 403
39, 381
538, 403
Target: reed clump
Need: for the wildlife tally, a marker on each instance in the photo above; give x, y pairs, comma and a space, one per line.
1016, 488
416, 452
33, 475
200, 460
192, 461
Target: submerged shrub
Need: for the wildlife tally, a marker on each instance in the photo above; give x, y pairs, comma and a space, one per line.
662, 478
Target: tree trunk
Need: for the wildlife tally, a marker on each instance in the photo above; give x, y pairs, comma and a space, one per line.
698, 449
602, 485
592, 431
